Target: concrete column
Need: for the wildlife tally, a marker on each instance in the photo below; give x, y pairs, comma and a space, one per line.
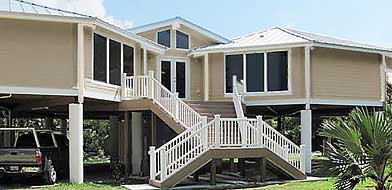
126, 141
153, 129
262, 167
137, 142
213, 172
306, 137
76, 143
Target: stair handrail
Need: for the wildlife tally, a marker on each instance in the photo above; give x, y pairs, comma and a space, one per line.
237, 99
177, 108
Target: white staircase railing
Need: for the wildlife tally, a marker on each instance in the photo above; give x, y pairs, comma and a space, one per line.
149, 87
237, 99
201, 136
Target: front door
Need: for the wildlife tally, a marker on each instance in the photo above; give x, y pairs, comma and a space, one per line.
173, 75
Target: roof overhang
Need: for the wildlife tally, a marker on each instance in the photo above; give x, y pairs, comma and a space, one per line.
204, 51
174, 22
88, 21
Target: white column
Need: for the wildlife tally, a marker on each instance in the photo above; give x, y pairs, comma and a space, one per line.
76, 143
306, 137
206, 78
144, 61
383, 77
80, 62
137, 142
307, 76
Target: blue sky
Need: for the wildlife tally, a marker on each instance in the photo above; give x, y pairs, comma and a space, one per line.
360, 20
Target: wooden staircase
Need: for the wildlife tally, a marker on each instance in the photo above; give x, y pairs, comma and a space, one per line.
209, 109
207, 130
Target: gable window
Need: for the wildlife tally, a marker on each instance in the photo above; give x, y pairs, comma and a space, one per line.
234, 66
100, 47
182, 40
164, 38
277, 71
264, 72
114, 63
255, 72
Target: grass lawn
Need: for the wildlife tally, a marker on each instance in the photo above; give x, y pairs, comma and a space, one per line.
84, 186
321, 185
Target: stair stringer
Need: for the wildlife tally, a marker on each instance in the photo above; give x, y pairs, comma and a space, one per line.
220, 153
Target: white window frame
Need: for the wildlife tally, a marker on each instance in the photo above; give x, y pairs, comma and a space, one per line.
170, 35
108, 57
173, 60
265, 92
175, 41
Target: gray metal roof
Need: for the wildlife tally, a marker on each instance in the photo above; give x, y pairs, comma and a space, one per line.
32, 8
279, 36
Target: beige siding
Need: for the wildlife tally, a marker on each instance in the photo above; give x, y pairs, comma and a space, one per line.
346, 75
197, 82
38, 54
88, 50
216, 77
152, 63
216, 70
389, 63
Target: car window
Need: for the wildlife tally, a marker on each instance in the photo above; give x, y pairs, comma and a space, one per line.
45, 140
62, 141
26, 140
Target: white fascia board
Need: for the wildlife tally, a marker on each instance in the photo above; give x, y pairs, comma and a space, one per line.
38, 91
346, 102
275, 102
352, 48
248, 48
148, 44
184, 22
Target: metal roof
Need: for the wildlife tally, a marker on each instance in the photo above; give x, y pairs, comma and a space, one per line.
284, 37
32, 8
182, 21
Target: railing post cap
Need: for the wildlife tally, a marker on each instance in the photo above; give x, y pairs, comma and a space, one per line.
217, 116
302, 146
259, 117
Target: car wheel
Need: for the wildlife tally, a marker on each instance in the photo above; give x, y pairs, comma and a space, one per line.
51, 175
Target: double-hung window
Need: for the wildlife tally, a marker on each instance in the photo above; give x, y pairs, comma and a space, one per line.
264, 72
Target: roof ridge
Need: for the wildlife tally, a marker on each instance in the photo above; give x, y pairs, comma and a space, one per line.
294, 34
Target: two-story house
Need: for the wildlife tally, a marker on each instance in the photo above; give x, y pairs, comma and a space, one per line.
178, 95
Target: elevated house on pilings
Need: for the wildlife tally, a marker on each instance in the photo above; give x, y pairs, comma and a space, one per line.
188, 97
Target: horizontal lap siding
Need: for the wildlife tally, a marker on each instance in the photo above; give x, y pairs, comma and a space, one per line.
197, 82
216, 77
38, 54
345, 75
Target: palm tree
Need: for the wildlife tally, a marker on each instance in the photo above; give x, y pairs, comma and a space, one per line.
361, 148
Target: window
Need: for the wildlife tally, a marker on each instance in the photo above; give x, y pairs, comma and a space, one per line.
128, 60
100, 47
114, 63
277, 71
255, 72
164, 38
234, 66
265, 72
182, 40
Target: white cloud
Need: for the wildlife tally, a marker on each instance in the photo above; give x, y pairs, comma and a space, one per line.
90, 7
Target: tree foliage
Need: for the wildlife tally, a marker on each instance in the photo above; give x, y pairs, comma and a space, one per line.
361, 148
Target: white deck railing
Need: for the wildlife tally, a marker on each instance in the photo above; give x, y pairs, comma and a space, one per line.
201, 136
149, 87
